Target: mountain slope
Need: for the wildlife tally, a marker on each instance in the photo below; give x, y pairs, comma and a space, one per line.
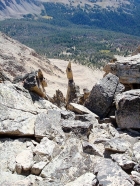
92, 3
17, 59
120, 16
18, 8
116, 15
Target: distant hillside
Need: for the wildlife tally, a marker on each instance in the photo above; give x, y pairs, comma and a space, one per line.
120, 16
18, 8
117, 15
93, 3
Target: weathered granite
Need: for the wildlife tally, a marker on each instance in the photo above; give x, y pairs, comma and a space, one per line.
102, 94
79, 128
136, 151
110, 174
126, 68
48, 124
128, 109
135, 177
69, 164
87, 179
24, 161
37, 167
91, 149
80, 109
18, 110
47, 148
123, 161
117, 145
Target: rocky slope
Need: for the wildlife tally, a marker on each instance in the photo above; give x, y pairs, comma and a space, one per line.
42, 144
16, 9
17, 60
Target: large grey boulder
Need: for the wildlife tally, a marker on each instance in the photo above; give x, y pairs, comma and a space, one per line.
18, 110
110, 174
17, 113
102, 95
126, 68
128, 109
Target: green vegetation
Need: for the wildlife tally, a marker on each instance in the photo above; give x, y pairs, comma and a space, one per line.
61, 34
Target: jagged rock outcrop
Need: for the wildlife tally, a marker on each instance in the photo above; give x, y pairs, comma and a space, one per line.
102, 95
84, 97
34, 81
58, 99
128, 109
73, 90
127, 69
66, 146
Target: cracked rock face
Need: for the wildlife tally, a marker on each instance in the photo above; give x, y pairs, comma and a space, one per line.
102, 95
110, 174
18, 112
78, 128
123, 160
128, 109
49, 125
127, 69
69, 164
136, 151
117, 145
